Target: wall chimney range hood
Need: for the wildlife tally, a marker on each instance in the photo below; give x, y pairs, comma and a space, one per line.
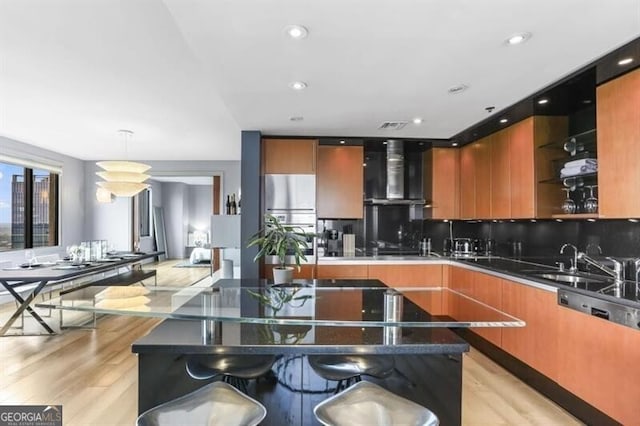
393, 174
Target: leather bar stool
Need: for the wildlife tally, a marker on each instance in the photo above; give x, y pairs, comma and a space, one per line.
368, 404
348, 369
235, 369
216, 404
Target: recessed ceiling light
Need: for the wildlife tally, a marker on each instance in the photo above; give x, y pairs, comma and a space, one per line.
543, 101
503, 120
417, 120
296, 118
625, 61
384, 143
296, 32
342, 142
454, 144
458, 89
298, 85
518, 38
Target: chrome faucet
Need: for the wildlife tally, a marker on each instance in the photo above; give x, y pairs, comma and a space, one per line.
616, 272
573, 262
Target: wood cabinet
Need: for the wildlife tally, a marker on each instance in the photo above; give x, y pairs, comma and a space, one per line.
516, 169
478, 286
341, 272
500, 175
599, 362
475, 180
522, 184
548, 196
340, 182
399, 276
618, 124
289, 156
536, 344
306, 272
467, 183
441, 171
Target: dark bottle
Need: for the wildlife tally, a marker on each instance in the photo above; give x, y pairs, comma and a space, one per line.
238, 210
228, 204
233, 204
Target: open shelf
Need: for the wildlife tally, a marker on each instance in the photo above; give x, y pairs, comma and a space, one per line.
580, 142
576, 216
588, 178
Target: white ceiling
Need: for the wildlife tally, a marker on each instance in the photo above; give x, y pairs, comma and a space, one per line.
188, 75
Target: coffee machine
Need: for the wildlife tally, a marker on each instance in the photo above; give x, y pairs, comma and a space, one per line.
333, 242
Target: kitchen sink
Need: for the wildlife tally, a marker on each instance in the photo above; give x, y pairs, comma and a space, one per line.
592, 283
568, 278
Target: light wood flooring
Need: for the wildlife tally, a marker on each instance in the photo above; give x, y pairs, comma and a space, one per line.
93, 374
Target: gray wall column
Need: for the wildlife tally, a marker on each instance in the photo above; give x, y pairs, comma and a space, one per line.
251, 216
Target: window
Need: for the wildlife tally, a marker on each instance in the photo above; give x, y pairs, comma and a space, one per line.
28, 207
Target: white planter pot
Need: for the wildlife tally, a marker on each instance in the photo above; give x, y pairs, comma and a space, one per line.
283, 276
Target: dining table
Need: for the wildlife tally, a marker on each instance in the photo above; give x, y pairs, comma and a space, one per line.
25, 282
293, 322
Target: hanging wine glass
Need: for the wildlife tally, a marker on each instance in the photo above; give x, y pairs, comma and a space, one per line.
568, 205
591, 203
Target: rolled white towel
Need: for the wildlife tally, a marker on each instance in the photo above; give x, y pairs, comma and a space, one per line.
583, 162
574, 171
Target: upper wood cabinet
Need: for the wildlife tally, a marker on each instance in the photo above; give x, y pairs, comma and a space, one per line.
500, 166
441, 171
475, 180
340, 182
516, 170
467, 183
618, 124
289, 156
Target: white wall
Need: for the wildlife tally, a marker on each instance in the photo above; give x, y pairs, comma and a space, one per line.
176, 217
200, 207
72, 183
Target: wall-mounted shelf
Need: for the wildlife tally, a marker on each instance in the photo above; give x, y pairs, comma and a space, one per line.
574, 144
576, 216
586, 177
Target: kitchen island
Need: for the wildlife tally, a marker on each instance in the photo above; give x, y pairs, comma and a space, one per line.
339, 317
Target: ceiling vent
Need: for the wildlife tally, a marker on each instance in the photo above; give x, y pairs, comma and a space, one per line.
392, 125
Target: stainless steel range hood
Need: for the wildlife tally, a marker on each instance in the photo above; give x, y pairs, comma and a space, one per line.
395, 176
395, 170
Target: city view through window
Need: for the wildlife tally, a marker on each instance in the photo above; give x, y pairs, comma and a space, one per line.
17, 229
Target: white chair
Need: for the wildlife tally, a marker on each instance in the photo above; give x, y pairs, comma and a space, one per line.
216, 404
368, 404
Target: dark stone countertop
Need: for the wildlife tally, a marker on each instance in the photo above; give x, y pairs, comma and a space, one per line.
187, 337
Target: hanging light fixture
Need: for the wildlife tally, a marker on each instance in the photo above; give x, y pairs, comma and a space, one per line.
123, 178
103, 196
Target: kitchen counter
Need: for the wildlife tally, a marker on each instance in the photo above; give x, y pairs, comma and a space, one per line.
524, 271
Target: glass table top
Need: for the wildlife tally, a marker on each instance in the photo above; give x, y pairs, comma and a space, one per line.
337, 303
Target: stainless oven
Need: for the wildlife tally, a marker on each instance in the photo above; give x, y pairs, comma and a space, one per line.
304, 222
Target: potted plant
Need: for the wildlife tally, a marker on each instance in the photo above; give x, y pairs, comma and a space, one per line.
276, 239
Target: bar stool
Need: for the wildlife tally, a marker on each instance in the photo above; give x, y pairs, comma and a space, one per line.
346, 369
235, 369
216, 404
368, 404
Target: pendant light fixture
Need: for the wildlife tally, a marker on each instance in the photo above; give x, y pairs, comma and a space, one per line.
123, 178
